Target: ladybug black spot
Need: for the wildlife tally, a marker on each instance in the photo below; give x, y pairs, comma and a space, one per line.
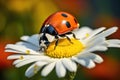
75, 20
64, 15
68, 24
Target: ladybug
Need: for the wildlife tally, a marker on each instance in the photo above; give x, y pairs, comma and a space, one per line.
56, 26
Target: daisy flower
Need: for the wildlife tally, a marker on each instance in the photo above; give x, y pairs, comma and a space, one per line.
66, 56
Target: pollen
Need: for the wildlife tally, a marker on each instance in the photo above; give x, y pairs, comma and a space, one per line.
21, 57
35, 69
65, 48
27, 51
87, 35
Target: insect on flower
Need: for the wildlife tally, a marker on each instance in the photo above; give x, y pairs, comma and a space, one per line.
66, 56
56, 26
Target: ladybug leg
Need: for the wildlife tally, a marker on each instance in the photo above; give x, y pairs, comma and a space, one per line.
56, 43
68, 38
65, 35
74, 36
41, 49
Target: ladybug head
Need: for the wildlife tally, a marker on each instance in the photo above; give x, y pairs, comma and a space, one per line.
48, 29
48, 34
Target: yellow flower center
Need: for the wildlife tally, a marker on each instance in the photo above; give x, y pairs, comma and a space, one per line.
65, 48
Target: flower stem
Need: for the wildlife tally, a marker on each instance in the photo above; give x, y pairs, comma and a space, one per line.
70, 76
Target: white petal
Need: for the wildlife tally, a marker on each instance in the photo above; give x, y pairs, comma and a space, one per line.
92, 49
60, 69
114, 45
80, 61
30, 71
80, 33
14, 57
25, 38
41, 63
11, 50
106, 32
97, 48
113, 41
47, 69
33, 69
28, 45
96, 58
16, 47
95, 32
85, 62
34, 39
70, 65
98, 44
19, 63
25, 59
18, 56
21, 49
91, 64
95, 42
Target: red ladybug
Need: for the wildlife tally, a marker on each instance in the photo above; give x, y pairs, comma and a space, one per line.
59, 24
